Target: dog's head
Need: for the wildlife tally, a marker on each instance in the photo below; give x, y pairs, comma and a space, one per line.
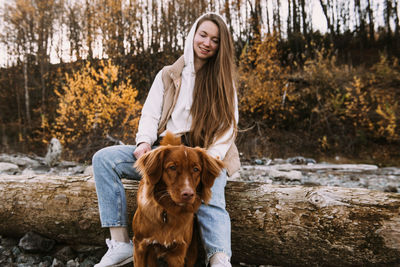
182, 173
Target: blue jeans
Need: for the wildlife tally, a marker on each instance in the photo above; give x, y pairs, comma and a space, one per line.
112, 163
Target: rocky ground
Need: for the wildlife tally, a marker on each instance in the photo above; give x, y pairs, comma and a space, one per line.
302, 171
35, 250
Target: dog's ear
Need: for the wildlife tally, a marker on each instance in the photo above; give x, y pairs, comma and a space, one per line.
211, 169
150, 165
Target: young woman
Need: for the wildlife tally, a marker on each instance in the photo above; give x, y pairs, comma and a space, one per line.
195, 98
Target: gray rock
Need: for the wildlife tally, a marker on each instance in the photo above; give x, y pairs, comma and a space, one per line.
57, 263
72, 263
5, 255
20, 160
88, 262
8, 168
77, 169
390, 188
53, 152
41, 169
46, 261
88, 170
45, 264
301, 160
28, 260
35, 243
289, 175
258, 162
16, 251
65, 254
67, 164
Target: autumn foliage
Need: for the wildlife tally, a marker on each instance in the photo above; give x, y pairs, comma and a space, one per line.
335, 104
300, 88
93, 105
354, 103
264, 88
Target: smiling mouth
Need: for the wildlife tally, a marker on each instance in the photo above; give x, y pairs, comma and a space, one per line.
205, 51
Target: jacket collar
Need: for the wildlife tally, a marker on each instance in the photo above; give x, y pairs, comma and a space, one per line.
175, 71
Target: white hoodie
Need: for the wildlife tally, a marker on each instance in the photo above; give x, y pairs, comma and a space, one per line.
181, 120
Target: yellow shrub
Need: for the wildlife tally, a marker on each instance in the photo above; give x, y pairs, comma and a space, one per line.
264, 90
388, 125
384, 80
361, 103
358, 105
94, 103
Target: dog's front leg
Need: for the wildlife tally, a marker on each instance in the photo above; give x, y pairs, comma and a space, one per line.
139, 254
151, 258
176, 261
177, 256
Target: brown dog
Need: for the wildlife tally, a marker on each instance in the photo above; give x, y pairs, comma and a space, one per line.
176, 179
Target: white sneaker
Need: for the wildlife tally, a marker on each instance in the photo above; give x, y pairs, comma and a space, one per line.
220, 259
118, 254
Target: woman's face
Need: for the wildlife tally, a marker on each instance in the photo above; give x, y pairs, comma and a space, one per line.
206, 40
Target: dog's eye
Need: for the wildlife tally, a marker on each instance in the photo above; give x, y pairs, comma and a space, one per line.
195, 169
173, 167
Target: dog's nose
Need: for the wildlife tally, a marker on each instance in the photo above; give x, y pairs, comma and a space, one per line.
187, 194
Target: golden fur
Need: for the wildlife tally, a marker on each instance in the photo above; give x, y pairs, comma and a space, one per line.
175, 180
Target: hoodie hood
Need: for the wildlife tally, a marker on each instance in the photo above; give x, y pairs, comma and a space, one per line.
188, 52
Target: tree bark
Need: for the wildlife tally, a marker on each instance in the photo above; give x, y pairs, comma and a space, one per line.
271, 224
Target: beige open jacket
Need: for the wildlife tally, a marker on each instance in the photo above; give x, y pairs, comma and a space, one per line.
172, 78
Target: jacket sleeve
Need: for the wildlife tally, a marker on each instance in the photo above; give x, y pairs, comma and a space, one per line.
220, 146
151, 112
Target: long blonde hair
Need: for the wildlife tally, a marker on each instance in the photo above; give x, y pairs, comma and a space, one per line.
213, 108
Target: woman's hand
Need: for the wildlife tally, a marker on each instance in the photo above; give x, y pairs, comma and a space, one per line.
141, 149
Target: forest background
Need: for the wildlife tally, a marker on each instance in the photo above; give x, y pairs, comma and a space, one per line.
80, 71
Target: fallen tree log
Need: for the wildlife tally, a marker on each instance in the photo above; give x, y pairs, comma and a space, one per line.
278, 225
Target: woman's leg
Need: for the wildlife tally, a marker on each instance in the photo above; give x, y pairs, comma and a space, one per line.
214, 221
110, 164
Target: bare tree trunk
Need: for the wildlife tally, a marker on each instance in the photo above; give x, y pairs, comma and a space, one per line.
4, 138
387, 16
89, 28
278, 225
289, 19
371, 23
267, 11
329, 20
304, 19
397, 21
42, 84
26, 90
278, 19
